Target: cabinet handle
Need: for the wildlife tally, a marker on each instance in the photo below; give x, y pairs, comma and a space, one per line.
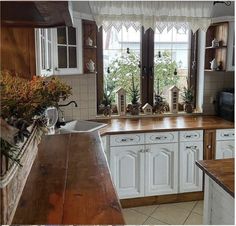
141, 151
147, 150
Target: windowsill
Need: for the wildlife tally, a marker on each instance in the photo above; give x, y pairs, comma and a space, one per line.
141, 115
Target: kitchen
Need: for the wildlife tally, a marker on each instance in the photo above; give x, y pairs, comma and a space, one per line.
169, 104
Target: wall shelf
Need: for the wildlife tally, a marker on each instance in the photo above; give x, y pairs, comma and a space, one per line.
219, 47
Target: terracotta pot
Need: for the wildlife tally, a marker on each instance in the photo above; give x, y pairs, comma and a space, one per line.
188, 107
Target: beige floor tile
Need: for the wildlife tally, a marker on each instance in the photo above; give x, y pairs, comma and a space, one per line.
153, 221
198, 208
170, 214
147, 210
194, 219
186, 205
133, 217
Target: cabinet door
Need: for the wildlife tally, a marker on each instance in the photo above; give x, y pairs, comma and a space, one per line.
190, 175
224, 149
161, 169
127, 169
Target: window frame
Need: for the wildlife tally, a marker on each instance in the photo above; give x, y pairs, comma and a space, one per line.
39, 70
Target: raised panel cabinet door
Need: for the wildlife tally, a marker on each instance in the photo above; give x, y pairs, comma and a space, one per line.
190, 176
161, 169
225, 149
127, 169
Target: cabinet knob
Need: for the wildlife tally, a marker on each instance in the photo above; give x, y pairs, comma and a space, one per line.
209, 146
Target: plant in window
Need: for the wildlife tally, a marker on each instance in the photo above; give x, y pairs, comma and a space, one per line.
160, 105
188, 98
106, 102
134, 94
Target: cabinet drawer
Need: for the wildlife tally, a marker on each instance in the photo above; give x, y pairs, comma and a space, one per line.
126, 139
160, 138
191, 135
224, 134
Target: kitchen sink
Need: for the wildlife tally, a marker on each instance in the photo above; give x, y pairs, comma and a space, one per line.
81, 126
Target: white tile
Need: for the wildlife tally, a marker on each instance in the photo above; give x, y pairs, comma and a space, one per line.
147, 210
194, 219
199, 208
134, 218
153, 221
170, 214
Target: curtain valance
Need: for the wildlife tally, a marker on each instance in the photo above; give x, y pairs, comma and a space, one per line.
152, 14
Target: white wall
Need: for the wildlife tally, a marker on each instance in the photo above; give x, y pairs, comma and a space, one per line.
84, 93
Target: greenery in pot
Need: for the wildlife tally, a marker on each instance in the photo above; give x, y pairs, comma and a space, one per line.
134, 94
23, 103
188, 98
106, 102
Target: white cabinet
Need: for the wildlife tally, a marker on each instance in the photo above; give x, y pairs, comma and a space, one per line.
190, 178
127, 168
225, 143
161, 169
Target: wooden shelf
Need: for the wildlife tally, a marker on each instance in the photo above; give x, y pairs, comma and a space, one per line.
219, 47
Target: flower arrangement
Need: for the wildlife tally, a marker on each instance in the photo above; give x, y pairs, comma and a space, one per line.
24, 102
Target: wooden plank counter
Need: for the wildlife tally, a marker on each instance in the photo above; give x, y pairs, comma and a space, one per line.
221, 171
69, 183
119, 125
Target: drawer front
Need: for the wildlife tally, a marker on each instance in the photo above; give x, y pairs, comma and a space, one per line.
191, 135
160, 138
126, 139
224, 134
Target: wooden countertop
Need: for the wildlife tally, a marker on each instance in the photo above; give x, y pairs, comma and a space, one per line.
138, 125
221, 171
69, 183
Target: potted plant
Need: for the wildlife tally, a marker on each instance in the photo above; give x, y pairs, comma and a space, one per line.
188, 96
106, 103
134, 93
160, 105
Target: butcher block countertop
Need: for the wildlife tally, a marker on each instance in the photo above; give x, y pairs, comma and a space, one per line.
221, 171
137, 125
69, 183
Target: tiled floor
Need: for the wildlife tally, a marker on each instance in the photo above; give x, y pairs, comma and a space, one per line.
189, 213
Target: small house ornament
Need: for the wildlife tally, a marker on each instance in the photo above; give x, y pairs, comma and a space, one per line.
174, 99
121, 101
147, 109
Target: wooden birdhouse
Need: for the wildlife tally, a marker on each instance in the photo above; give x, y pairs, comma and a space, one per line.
121, 101
174, 99
147, 109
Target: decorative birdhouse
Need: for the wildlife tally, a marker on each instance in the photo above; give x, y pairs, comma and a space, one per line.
174, 99
147, 109
121, 101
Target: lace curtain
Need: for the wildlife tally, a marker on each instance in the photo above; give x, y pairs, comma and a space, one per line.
158, 15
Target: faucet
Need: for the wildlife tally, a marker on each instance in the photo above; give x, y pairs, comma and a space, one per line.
62, 122
71, 102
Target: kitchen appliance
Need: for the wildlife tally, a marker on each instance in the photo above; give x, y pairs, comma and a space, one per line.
225, 104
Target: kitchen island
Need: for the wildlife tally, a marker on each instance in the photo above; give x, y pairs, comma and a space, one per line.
219, 191
69, 183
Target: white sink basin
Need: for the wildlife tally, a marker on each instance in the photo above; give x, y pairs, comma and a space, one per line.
81, 126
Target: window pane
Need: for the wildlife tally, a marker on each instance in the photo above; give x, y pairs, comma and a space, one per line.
171, 63
49, 35
49, 55
71, 36
43, 52
61, 35
121, 56
62, 57
72, 57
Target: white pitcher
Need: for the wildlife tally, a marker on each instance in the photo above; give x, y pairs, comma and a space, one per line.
213, 64
90, 66
89, 42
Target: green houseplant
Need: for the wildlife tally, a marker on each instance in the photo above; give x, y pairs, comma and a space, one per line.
134, 94
188, 98
106, 102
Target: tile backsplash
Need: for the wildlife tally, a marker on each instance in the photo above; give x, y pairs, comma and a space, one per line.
84, 93
213, 83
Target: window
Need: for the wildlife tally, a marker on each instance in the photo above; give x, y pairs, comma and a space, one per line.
44, 53
121, 56
66, 47
171, 60
156, 60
